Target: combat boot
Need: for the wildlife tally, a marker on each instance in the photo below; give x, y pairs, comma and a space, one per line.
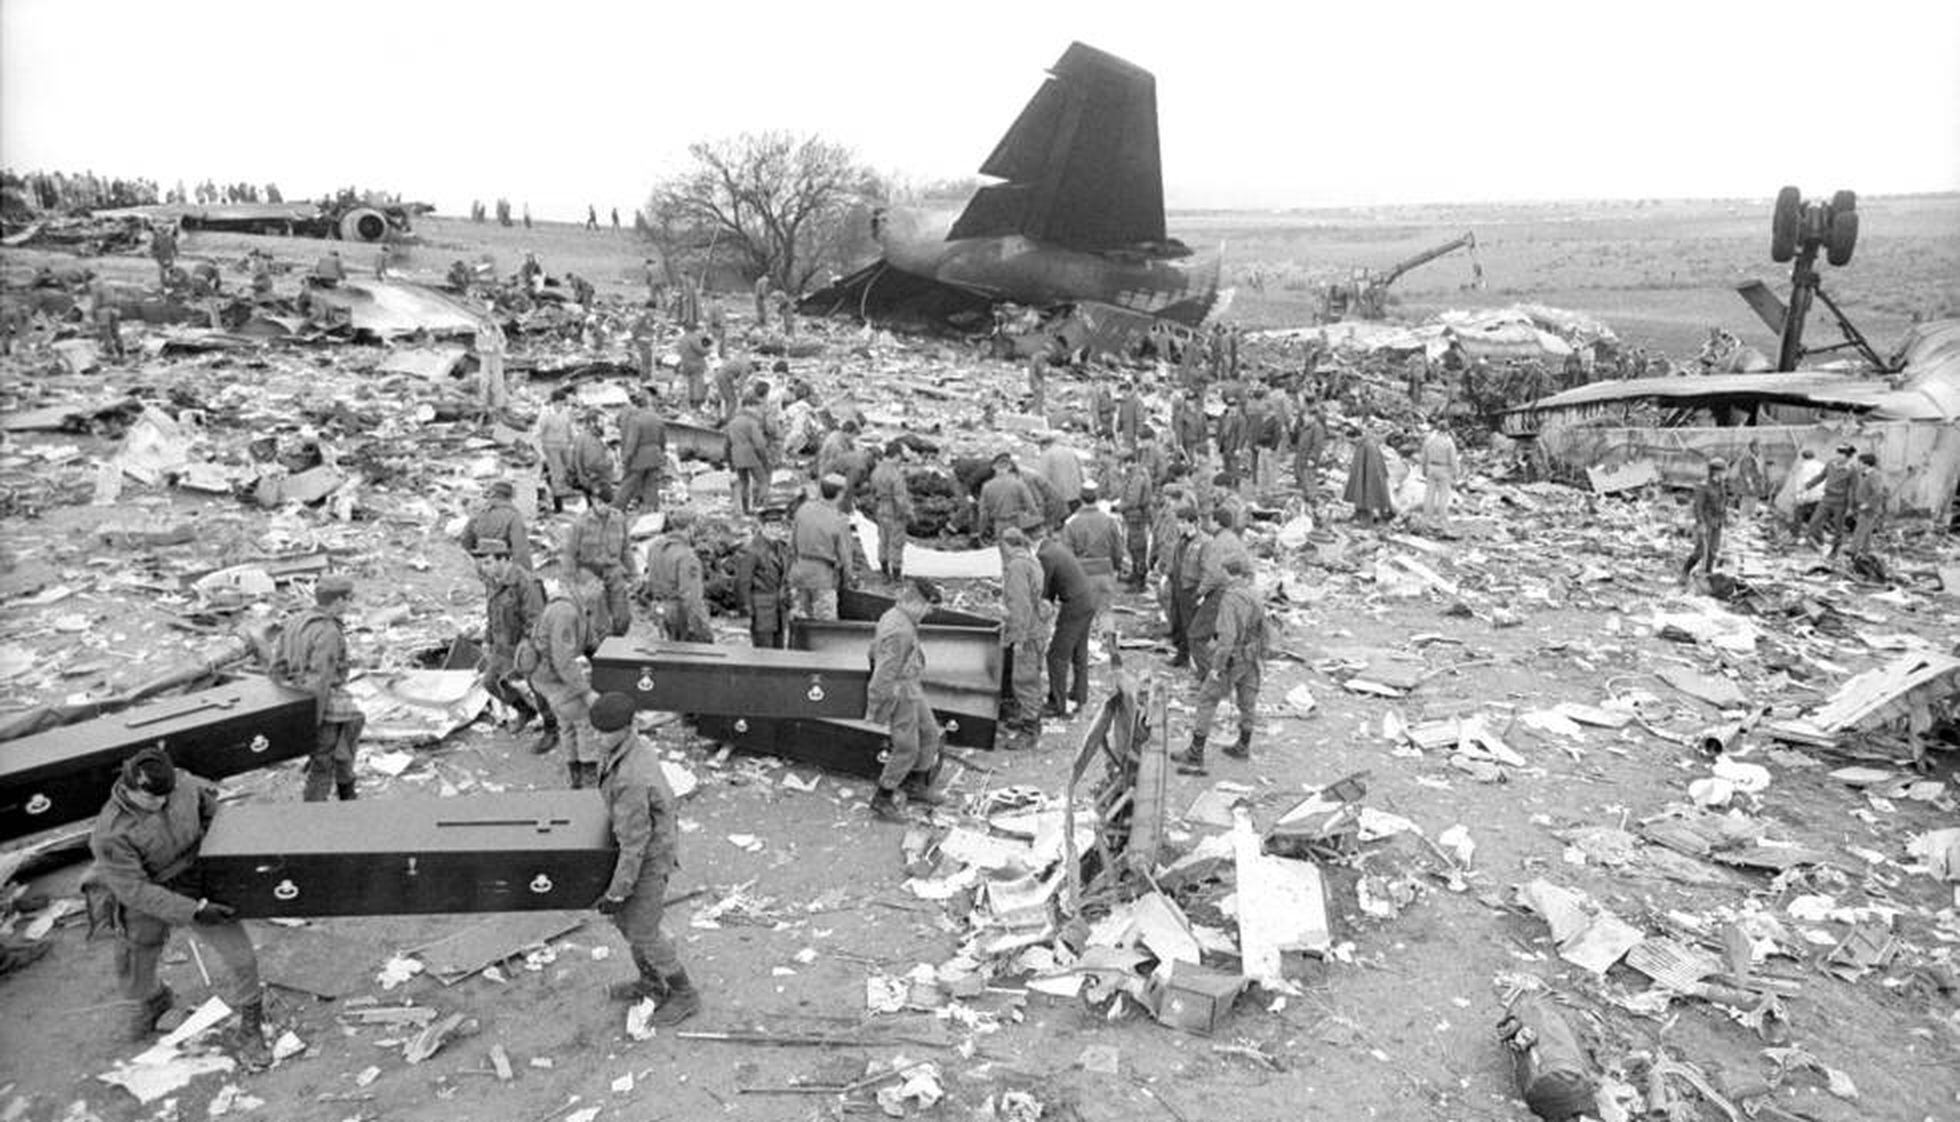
588, 772
1243, 749
884, 807
648, 985
1191, 761
143, 1022
248, 1039
574, 774
345, 791
682, 1001
922, 787
548, 741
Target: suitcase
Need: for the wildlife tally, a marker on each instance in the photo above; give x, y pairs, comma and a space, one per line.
962, 679
703, 678
512, 852
850, 747
64, 775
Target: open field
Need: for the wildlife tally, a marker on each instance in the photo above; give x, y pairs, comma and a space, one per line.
1552, 597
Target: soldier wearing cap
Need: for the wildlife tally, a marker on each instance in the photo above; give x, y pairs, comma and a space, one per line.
144, 882
566, 634
1834, 504
761, 580
825, 552
598, 540
1137, 501
312, 656
891, 507
499, 521
675, 588
1239, 646
750, 454
1005, 500
592, 461
1184, 572
554, 437
641, 807
514, 599
1711, 510
896, 698
1075, 598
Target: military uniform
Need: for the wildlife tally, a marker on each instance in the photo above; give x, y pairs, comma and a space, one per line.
1023, 632
312, 656
554, 434
513, 606
144, 882
1240, 647
598, 541
641, 808
896, 698
499, 521
820, 541
749, 457
675, 585
1065, 583
1005, 500
563, 636
1139, 491
642, 458
761, 573
891, 507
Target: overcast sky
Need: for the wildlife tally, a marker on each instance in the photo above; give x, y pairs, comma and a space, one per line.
1281, 105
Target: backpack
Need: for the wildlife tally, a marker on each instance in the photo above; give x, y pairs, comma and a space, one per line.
288, 652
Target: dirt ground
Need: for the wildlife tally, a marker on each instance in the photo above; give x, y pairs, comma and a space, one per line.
1397, 1025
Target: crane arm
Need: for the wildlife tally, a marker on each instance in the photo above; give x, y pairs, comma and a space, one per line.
1467, 241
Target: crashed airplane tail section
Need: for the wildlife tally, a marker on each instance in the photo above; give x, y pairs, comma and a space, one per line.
1079, 220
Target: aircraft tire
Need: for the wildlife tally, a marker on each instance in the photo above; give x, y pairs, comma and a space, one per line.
1783, 225
1844, 237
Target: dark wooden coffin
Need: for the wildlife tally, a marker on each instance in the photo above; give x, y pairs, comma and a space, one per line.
63, 775
513, 852
855, 603
735, 681
849, 747
962, 678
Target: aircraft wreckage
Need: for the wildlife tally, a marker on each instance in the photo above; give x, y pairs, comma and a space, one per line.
1075, 229
1905, 408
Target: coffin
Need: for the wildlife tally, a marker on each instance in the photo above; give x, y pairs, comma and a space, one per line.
703, 678
962, 677
849, 747
512, 852
64, 775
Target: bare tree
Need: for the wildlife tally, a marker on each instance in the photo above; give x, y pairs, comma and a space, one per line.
774, 203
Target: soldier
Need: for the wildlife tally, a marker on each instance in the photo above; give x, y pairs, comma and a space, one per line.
554, 437
1102, 408
1136, 501
108, 319
329, 271
824, 551
896, 698
566, 633
1309, 447
1184, 573
786, 311
836, 444
1038, 383
1223, 545
1005, 500
762, 300
312, 656
1129, 415
592, 461
598, 540
499, 521
1096, 539
749, 456
640, 806
891, 507
514, 599
674, 584
642, 454
1023, 632
1711, 511
1064, 582
1062, 468
144, 882
1868, 498
1188, 425
1834, 506
761, 573
1750, 480
1239, 648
